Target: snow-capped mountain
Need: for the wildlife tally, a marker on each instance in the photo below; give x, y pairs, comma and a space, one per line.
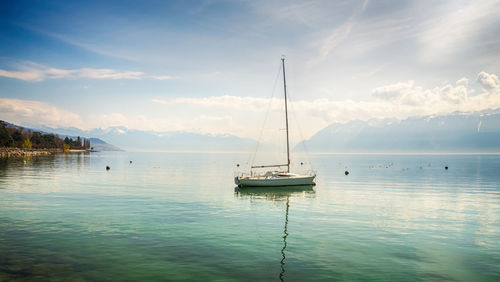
457, 132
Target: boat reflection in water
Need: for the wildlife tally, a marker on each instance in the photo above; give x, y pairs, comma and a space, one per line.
277, 194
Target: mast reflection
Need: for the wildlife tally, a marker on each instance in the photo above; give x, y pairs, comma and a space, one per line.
285, 232
277, 194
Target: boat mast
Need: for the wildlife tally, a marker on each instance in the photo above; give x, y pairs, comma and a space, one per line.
286, 118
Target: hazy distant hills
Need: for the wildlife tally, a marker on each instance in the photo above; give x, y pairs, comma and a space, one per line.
175, 140
96, 143
457, 132
99, 145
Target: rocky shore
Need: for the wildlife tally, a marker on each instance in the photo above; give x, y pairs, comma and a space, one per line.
16, 153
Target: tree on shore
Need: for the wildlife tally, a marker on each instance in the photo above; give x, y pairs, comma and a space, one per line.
15, 136
5, 138
27, 144
86, 143
78, 143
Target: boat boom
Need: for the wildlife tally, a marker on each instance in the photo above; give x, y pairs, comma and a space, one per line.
262, 166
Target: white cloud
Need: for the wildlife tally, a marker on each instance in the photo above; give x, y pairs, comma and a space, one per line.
393, 91
39, 113
159, 101
35, 112
163, 77
415, 100
36, 72
399, 100
225, 102
113, 119
488, 81
105, 74
26, 75
214, 124
411, 95
463, 81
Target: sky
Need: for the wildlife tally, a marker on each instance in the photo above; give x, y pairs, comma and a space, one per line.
213, 66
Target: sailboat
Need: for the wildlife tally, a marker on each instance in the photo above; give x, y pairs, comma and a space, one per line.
278, 176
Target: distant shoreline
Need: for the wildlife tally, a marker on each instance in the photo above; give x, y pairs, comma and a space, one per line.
19, 153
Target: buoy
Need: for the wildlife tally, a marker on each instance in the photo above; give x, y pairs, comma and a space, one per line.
130, 161
237, 165
346, 172
446, 167
301, 163
107, 167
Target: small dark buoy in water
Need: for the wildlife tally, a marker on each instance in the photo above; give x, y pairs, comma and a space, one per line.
237, 165
107, 167
346, 172
301, 163
130, 161
446, 167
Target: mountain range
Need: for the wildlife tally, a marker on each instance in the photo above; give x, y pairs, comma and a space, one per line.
456, 132
130, 139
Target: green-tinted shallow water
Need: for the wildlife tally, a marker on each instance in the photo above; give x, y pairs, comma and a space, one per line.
176, 216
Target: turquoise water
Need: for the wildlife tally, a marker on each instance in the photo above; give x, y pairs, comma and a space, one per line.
177, 216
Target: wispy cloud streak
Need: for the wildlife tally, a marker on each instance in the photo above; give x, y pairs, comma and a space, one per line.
338, 35
35, 73
459, 26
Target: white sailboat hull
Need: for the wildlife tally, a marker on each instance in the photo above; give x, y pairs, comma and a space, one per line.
276, 181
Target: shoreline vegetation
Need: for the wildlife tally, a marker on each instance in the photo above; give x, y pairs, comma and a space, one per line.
16, 141
21, 153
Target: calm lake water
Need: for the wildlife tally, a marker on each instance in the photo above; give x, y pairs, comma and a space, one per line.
177, 216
